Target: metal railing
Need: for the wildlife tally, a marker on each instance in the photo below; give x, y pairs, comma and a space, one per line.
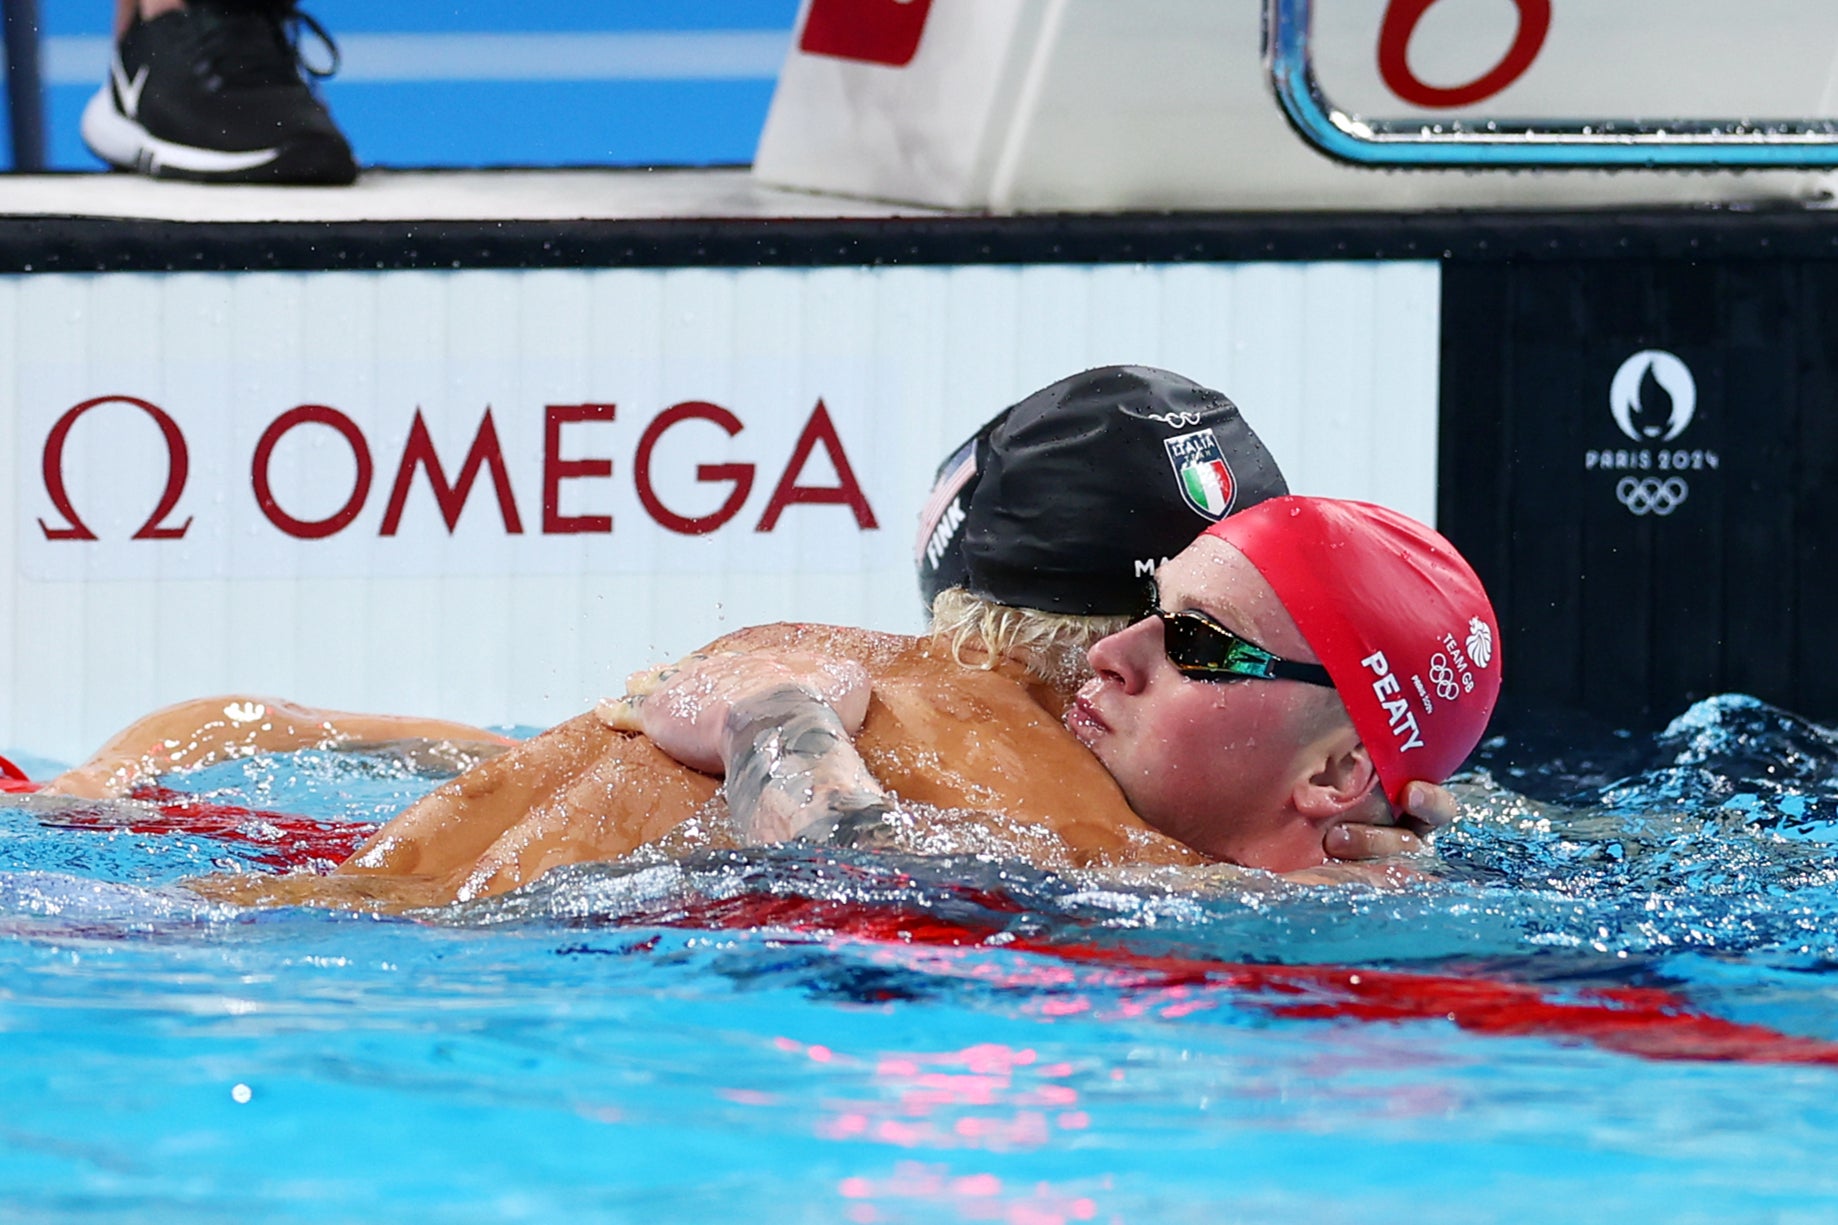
1679, 143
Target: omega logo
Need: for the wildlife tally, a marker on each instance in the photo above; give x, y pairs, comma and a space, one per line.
485, 457
178, 468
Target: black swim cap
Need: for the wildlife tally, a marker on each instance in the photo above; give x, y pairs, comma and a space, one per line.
1066, 501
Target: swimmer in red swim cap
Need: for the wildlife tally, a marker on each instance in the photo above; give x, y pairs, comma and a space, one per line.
1304, 663
1306, 660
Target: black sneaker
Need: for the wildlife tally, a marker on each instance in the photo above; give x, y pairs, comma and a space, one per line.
214, 92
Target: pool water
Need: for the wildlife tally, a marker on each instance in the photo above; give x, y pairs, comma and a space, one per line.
1613, 999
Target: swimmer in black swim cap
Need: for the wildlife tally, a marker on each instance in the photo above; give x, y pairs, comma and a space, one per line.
1043, 527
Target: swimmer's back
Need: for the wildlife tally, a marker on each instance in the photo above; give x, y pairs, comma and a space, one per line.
938, 733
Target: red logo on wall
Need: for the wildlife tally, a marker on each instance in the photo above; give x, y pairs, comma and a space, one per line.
875, 31
484, 464
1401, 18
178, 465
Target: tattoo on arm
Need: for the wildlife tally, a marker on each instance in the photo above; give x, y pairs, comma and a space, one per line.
792, 772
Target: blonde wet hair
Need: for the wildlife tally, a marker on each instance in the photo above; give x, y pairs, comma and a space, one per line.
1051, 646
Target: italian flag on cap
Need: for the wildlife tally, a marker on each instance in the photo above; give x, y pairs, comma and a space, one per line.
1208, 486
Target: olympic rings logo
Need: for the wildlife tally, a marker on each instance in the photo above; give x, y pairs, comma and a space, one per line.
1180, 419
1651, 496
1443, 677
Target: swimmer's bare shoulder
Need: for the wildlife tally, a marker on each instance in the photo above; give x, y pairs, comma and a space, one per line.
978, 752
578, 792
875, 650
984, 748
936, 755
963, 743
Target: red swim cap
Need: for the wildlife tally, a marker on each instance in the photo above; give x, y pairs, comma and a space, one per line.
1396, 616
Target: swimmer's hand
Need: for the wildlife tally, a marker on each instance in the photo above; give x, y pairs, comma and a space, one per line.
778, 728
621, 713
1428, 808
696, 710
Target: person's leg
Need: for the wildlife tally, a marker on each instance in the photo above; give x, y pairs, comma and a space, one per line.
212, 90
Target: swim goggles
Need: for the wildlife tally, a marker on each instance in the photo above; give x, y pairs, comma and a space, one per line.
1203, 650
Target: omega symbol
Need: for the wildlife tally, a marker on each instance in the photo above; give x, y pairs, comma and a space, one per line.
178, 467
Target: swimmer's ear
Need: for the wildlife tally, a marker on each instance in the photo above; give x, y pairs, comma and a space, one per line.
1343, 780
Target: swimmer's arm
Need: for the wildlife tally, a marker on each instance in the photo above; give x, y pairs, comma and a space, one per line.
777, 726
202, 731
793, 773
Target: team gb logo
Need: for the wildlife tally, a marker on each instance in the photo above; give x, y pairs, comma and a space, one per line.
1480, 642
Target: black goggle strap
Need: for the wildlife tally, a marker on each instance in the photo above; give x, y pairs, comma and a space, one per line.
1204, 650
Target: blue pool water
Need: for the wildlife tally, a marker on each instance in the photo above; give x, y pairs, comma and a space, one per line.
1609, 1002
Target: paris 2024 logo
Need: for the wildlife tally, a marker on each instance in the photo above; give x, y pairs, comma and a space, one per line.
1652, 400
